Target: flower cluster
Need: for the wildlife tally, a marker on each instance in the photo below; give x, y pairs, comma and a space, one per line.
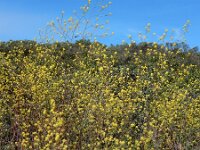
91, 100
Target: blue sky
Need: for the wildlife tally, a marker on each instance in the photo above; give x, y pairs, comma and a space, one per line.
21, 19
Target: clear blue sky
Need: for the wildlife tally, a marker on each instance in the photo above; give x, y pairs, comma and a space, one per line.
21, 19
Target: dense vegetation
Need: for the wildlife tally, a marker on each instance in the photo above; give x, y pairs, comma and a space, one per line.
89, 96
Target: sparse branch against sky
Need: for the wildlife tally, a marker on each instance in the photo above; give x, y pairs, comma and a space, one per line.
21, 19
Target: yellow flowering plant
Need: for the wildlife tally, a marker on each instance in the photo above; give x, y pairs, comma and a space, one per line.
86, 95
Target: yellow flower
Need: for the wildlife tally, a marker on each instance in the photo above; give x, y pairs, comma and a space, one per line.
100, 69
57, 137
